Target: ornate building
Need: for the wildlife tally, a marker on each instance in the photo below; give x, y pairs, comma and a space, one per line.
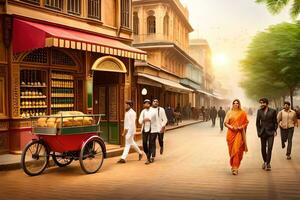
64, 55
161, 28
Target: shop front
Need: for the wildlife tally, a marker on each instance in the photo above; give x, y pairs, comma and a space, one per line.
170, 92
56, 69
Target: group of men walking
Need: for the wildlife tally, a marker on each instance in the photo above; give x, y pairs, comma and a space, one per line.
267, 122
153, 120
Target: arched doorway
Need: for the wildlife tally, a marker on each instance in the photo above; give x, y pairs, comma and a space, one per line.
108, 95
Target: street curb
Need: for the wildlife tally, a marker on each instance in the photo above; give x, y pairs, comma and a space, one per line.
111, 153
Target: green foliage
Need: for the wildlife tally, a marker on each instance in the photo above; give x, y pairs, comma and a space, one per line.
275, 6
272, 63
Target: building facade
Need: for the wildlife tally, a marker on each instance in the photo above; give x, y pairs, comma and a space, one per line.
201, 52
60, 55
161, 28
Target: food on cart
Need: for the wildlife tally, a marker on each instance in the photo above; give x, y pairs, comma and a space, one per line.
56, 121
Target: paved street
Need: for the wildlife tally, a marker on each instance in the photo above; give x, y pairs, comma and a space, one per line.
195, 166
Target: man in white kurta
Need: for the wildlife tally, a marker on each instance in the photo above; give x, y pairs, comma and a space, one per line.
129, 131
162, 122
148, 120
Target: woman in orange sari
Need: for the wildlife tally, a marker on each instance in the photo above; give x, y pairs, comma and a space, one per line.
236, 121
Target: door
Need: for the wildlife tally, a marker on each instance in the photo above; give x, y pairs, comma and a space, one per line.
108, 105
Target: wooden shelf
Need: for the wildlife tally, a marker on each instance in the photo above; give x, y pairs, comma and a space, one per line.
61, 97
61, 106
31, 107
33, 97
30, 86
65, 79
62, 87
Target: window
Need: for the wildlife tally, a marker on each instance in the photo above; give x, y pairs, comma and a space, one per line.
125, 13
94, 9
135, 23
166, 24
151, 25
74, 7
55, 4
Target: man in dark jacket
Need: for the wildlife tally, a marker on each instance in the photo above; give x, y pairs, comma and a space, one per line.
213, 115
266, 125
221, 115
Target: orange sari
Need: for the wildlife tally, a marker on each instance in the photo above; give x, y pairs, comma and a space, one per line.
235, 142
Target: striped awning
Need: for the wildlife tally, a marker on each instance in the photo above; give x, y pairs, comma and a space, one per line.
31, 35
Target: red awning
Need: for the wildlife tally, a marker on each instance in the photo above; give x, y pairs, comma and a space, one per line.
31, 35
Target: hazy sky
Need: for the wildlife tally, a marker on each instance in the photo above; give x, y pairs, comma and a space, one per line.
229, 25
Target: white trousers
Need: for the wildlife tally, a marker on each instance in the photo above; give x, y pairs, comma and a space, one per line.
128, 142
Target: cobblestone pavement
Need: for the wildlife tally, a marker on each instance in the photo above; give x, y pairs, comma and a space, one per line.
195, 165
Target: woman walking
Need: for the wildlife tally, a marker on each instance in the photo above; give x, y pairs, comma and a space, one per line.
236, 121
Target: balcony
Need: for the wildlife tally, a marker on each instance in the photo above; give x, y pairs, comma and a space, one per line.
158, 38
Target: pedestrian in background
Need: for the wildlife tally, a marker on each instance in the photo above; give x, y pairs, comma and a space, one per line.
162, 122
129, 131
287, 120
221, 115
213, 115
266, 125
236, 121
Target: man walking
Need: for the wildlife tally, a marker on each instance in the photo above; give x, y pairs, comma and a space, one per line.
287, 120
162, 122
213, 115
266, 125
221, 115
148, 120
129, 131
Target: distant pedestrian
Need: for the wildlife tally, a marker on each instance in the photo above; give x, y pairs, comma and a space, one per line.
221, 115
287, 120
149, 121
129, 131
266, 125
213, 115
236, 121
162, 122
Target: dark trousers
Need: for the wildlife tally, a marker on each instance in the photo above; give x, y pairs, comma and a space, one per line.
213, 119
287, 136
266, 147
221, 123
149, 144
160, 141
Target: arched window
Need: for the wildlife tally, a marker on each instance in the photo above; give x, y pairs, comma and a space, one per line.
151, 24
135, 23
166, 24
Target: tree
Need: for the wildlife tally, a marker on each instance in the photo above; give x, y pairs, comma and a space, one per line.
272, 63
275, 6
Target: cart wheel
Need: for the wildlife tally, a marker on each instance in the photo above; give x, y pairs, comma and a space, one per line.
91, 156
34, 158
61, 160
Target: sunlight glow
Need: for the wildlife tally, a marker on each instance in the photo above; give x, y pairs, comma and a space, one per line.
220, 60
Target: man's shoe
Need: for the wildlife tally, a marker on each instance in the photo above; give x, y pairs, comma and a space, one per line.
283, 145
288, 157
147, 162
264, 165
152, 160
161, 150
268, 168
121, 161
140, 156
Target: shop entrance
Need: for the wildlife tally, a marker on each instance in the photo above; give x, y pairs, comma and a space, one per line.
108, 95
106, 101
